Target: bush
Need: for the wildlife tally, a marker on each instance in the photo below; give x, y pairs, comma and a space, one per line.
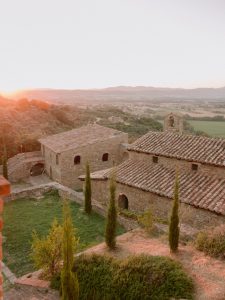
146, 220
137, 277
212, 242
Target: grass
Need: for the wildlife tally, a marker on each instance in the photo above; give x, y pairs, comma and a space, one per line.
22, 216
212, 128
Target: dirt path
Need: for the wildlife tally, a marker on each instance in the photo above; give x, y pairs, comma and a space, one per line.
208, 273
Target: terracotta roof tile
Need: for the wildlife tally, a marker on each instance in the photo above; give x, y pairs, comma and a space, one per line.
197, 189
79, 137
187, 147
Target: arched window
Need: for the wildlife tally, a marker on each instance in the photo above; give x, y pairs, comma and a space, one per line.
123, 201
77, 159
105, 157
171, 121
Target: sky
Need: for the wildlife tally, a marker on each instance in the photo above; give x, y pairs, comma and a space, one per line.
99, 43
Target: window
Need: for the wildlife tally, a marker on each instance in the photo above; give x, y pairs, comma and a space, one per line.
77, 160
57, 159
194, 167
155, 159
105, 157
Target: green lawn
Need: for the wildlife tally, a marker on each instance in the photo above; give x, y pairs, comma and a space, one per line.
22, 216
213, 128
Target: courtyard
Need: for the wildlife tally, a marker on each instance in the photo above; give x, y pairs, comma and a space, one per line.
23, 216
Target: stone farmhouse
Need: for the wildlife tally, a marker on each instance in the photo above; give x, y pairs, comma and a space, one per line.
146, 179
66, 154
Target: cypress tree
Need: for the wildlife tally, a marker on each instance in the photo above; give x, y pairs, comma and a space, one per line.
87, 191
110, 232
174, 229
69, 280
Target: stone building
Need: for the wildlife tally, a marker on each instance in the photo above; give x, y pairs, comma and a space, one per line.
65, 154
146, 179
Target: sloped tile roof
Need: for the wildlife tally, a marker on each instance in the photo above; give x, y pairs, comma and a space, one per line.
197, 189
79, 137
187, 147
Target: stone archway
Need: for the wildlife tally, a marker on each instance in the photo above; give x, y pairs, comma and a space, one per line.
123, 202
37, 169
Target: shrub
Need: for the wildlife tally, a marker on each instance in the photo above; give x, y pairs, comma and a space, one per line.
212, 242
47, 252
146, 220
137, 277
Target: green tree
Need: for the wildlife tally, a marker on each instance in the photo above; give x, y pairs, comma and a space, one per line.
69, 280
87, 191
47, 252
174, 230
111, 222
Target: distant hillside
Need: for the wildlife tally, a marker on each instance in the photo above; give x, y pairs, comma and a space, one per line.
123, 93
24, 121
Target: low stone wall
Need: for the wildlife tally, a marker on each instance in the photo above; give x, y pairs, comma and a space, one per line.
66, 193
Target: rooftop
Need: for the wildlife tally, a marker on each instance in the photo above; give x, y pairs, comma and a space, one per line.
197, 189
79, 137
188, 147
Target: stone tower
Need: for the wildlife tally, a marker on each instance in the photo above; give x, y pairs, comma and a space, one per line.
173, 122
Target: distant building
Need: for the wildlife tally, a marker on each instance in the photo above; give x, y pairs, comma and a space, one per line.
146, 179
65, 154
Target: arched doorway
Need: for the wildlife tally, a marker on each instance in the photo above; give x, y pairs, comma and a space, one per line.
37, 169
123, 201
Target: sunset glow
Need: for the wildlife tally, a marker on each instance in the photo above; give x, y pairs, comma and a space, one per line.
95, 44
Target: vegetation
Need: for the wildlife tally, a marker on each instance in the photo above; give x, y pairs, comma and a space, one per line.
174, 229
23, 216
70, 286
147, 220
111, 222
212, 242
212, 128
138, 277
87, 191
47, 251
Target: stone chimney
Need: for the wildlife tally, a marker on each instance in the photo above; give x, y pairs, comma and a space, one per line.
4, 191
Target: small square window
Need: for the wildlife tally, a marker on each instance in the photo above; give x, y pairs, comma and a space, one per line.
155, 159
194, 167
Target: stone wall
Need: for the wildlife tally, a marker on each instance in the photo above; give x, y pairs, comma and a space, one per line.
66, 193
183, 165
4, 190
67, 173
139, 201
19, 166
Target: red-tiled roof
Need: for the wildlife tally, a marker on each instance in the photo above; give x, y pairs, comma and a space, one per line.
197, 189
79, 137
187, 147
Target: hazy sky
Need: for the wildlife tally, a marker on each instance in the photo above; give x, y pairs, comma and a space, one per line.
99, 43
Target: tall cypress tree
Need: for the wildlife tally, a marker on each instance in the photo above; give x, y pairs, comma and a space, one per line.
69, 281
87, 191
174, 229
110, 232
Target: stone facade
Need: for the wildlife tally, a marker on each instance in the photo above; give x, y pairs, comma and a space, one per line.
20, 166
146, 179
140, 201
61, 165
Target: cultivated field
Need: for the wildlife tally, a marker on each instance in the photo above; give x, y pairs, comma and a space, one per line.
212, 128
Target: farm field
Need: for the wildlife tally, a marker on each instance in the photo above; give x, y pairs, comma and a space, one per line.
22, 216
212, 128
